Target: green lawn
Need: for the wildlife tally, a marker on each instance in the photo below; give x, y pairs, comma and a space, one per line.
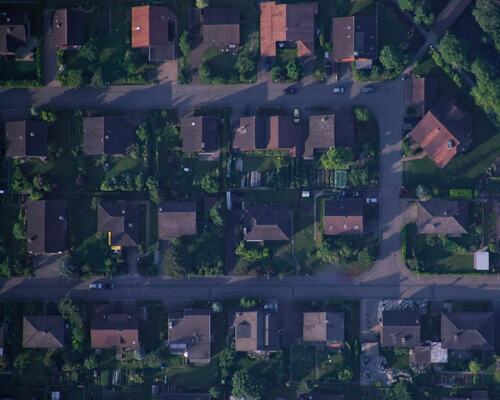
257, 162
220, 63
394, 360
288, 198
304, 231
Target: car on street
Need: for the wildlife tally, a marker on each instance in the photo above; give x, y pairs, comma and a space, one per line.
371, 200
95, 285
290, 90
338, 90
296, 116
367, 89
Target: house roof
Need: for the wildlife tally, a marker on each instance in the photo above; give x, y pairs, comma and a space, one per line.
221, 26
111, 135
470, 330
122, 220
68, 27
256, 331
43, 331
267, 223
26, 138
321, 134
115, 326
419, 94
323, 327
287, 23
400, 328
190, 332
343, 217
200, 134
13, 31
150, 26
176, 218
443, 131
437, 216
354, 38
47, 230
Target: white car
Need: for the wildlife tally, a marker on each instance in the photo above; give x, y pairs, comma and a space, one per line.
95, 286
371, 200
338, 90
296, 116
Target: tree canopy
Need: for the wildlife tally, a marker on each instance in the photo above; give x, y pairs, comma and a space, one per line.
337, 159
487, 14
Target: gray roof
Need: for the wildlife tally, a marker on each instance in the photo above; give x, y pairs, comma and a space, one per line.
400, 328
122, 219
267, 223
200, 134
256, 331
324, 327
68, 27
26, 138
438, 216
13, 31
43, 331
176, 219
468, 330
111, 135
221, 26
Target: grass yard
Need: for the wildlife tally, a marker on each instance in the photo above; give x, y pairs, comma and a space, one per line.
396, 358
257, 162
193, 378
304, 231
287, 198
221, 64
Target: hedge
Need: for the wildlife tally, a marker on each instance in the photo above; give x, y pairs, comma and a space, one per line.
461, 194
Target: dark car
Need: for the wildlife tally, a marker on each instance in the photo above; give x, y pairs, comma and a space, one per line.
109, 286
290, 90
268, 64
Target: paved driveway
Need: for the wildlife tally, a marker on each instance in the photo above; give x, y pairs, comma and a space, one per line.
49, 51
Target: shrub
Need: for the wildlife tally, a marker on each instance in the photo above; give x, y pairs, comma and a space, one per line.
362, 114
247, 303
461, 194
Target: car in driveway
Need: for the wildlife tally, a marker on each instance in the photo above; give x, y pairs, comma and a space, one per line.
367, 89
296, 116
339, 90
290, 90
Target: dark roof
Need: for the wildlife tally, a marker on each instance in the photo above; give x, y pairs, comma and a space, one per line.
468, 330
176, 218
68, 27
267, 223
221, 26
421, 355
438, 216
185, 396
190, 332
200, 134
256, 331
443, 131
321, 134
13, 31
115, 326
122, 219
419, 94
111, 135
43, 331
47, 222
354, 38
343, 217
26, 138
150, 26
324, 327
400, 328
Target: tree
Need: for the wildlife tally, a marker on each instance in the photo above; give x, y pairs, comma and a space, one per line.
204, 73
487, 15
226, 363
97, 80
406, 5
47, 115
69, 269
245, 386
345, 375
216, 307
170, 264
339, 158
475, 366
486, 92
362, 114
72, 78
276, 73
247, 303
184, 46
89, 51
210, 182
365, 257
244, 63
401, 391
215, 214
201, 3
71, 313
22, 361
215, 392
293, 70
152, 186
423, 17
19, 230
422, 192
391, 59
90, 362
454, 51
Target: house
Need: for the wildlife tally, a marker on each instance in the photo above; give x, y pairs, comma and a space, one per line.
115, 326
154, 29
201, 134
120, 221
26, 138
400, 328
324, 327
419, 95
221, 27
267, 223
189, 335
287, 25
14, 31
445, 130
327, 131
354, 39
468, 330
431, 353
185, 396
111, 135
68, 28
343, 217
176, 219
256, 331
47, 226
277, 132
438, 216
43, 332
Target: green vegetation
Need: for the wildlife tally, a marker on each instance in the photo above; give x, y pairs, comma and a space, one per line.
420, 10
184, 62
487, 14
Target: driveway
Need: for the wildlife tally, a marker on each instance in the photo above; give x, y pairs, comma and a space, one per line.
49, 51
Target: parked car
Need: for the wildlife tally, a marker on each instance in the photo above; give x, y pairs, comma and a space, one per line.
109, 286
367, 89
290, 90
296, 116
268, 64
345, 193
371, 200
96, 285
338, 90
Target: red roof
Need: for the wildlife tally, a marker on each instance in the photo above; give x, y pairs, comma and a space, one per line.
343, 217
150, 26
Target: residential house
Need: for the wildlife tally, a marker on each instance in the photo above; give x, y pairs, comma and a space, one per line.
419, 95
26, 138
468, 330
120, 221
115, 326
14, 32
189, 335
287, 25
277, 132
68, 28
201, 134
325, 328
221, 27
47, 230
176, 219
111, 135
267, 223
343, 217
256, 331
354, 39
438, 216
154, 29
430, 353
445, 130
400, 328
43, 332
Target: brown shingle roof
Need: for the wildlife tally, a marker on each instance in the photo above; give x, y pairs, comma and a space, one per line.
43, 331
47, 222
419, 94
221, 26
115, 327
150, 26
267, 223
111, 135
287, 22
324, 327
176, 218
400, 328
26, 138
354, 38
468, 330
68, 27
256, 331
321, 134
343, 217
438, 216
190, 332
200, 134
443, 131
122, 219
13, 31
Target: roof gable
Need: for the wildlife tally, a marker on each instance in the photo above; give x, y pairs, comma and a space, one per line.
354, 38
221, 26
43, 331
267, 223
256, 331
176, 219
150, 26
122, 220
13, 31
115, 326
47, 226
68, 27
343, 217
468, 330
112, 135
200, 134
437, 216
400, 328
26, 138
